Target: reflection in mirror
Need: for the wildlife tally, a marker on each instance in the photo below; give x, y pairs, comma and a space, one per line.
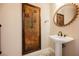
60, 19
65, 14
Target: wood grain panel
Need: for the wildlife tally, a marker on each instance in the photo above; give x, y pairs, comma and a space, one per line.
31, 28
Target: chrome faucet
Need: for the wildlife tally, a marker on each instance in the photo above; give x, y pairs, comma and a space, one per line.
60, 33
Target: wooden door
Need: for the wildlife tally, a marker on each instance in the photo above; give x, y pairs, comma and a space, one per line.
31, 28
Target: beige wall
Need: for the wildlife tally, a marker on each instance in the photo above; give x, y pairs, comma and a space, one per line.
11, 37
11, 20
71, 30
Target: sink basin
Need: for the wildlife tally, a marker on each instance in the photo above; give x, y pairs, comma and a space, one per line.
61, 39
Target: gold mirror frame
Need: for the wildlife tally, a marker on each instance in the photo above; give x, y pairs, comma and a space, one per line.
75, 16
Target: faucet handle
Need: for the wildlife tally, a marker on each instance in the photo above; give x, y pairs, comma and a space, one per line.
65, 35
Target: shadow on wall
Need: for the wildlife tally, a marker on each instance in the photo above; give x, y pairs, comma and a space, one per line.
69, 51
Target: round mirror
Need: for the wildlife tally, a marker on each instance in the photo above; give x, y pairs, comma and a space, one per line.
65, 14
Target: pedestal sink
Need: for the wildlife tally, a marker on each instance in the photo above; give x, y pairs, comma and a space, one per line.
59, 40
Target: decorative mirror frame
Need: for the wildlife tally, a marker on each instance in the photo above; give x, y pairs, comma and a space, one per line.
75, 16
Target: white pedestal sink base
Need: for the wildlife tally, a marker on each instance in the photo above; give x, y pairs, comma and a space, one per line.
58, 49
59, 40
